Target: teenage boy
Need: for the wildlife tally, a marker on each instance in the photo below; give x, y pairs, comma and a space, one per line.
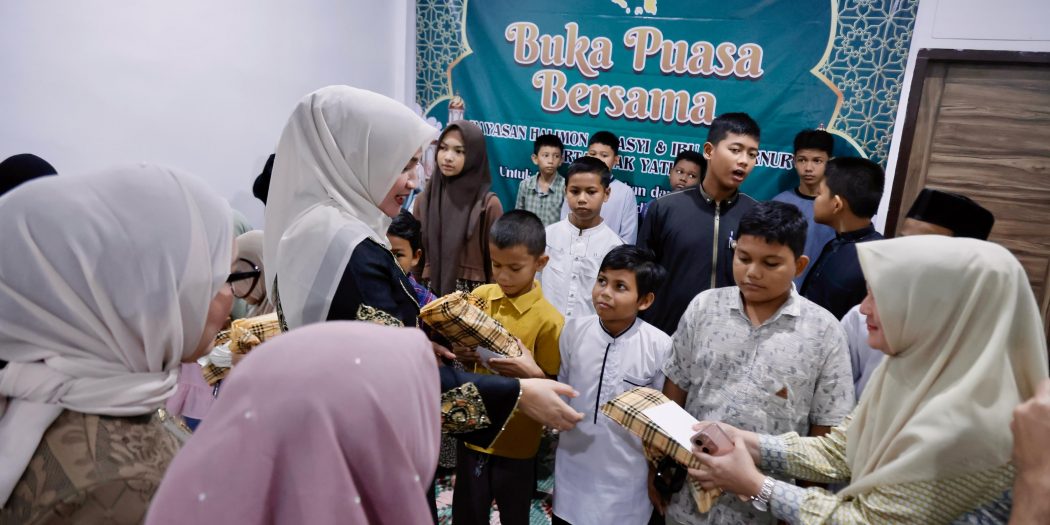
543, 192
758, 355
406, 243
577, 244
934, 212
621, 211
686, 172
813, 149
692, 231
600, 468
847, 200
506, 472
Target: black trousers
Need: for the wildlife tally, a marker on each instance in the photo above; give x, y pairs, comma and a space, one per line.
482, 478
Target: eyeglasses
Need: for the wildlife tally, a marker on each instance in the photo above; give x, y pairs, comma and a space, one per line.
243, 278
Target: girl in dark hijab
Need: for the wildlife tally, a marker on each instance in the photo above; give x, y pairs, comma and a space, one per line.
457, 210
20, 168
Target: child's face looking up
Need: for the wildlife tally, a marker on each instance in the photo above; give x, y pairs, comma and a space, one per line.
615, 296
764, 270
452, 153
684, 174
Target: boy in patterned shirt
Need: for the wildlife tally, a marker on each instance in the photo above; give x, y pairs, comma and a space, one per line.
544, 192
406, 243
758, 355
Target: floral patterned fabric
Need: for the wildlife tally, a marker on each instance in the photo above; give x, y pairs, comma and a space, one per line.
92, 469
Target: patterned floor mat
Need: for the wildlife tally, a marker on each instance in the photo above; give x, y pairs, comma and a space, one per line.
540, 514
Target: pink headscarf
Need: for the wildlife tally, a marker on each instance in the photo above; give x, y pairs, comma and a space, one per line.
332, 423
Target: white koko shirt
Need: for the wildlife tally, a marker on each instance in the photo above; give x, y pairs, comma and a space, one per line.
620, 212
575, 256
600, 473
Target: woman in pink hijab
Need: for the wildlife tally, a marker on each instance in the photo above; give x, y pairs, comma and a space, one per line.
358, 446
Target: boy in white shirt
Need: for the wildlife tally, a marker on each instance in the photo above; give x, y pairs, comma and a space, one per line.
577, 244
600, 471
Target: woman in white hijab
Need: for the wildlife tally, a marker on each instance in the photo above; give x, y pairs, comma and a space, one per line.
107, 283
930, 439
345, 164
249, 264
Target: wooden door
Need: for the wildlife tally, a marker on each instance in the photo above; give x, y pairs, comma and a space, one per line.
982, 129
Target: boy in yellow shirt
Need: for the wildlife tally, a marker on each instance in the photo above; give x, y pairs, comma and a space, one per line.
505, 472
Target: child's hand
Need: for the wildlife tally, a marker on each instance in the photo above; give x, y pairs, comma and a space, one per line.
657, 499
465, 355
522, 367
442, 352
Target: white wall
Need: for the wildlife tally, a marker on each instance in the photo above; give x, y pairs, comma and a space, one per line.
1003, 25
201, 85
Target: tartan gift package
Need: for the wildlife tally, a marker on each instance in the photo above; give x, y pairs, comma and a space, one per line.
627, 409
460, 317
243, 335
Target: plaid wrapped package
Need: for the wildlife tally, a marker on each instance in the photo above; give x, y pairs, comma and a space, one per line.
243, 335
626, 410
246, 334
461, 318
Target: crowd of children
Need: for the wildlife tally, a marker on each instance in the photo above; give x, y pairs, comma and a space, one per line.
728, 305
758, 315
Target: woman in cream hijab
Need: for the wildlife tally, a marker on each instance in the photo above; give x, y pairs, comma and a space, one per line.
345, 164
930, 439
107, 283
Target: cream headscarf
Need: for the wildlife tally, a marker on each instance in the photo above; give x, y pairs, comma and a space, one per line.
971, 347
250, 248
105, 285
340, 153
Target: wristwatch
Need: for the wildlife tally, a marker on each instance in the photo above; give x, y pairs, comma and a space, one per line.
761, 500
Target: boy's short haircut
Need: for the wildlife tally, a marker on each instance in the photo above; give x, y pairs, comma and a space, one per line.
547, 140
692, 156
607, 138
519, 227
858, 181
408, 228
648, 274
738, 123
776, 222
817, 139
589, 165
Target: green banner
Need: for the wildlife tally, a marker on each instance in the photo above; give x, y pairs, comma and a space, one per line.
654, 73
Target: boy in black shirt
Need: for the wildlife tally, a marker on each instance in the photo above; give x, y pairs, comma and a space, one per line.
692, 231
847, 200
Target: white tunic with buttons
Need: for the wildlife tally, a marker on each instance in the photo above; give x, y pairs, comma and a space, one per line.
600, 473
575, 256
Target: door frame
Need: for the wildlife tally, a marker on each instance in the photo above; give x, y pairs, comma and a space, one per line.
918, 83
